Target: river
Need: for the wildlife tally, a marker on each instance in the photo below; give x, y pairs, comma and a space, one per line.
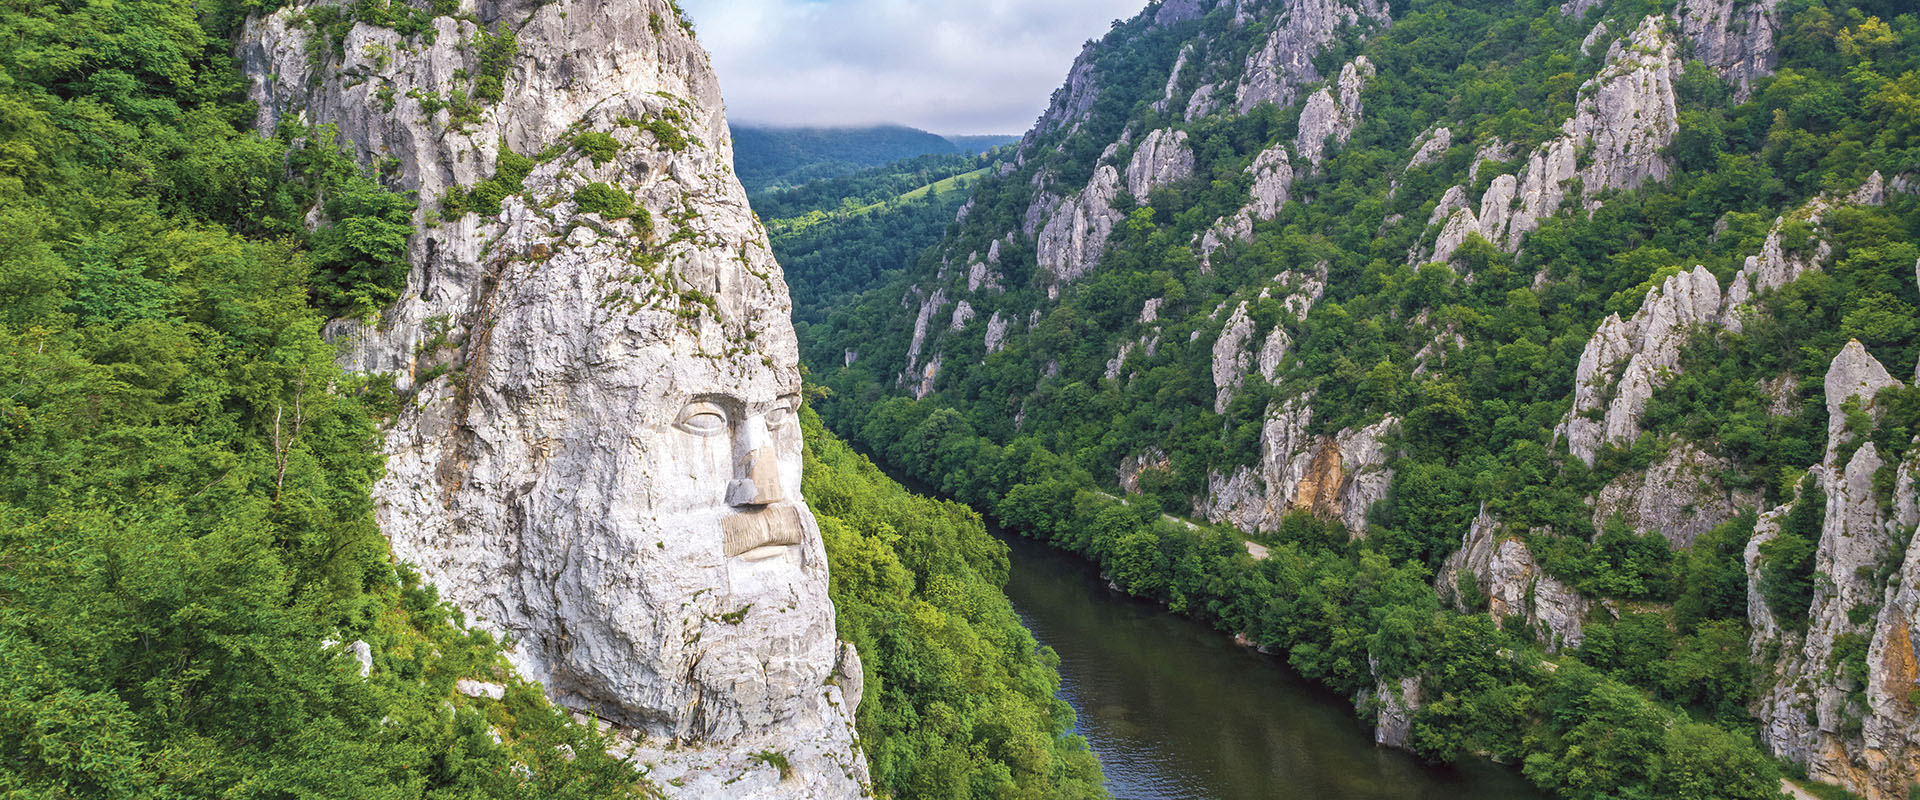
1175, 710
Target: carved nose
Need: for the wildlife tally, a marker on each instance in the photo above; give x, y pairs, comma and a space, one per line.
761, 482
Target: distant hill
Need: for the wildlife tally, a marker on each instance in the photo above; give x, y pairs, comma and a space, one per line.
768, 157
975, 145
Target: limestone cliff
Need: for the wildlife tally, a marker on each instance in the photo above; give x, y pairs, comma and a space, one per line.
1851, 728
1626, 361
1276, 72
1625, 118
598, 457
1511, 584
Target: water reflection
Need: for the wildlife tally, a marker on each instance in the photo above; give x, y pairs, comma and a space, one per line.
1176, 710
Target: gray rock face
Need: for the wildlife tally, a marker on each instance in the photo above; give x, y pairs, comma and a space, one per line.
1578, 8
1272, 173
1626, 116
1173, 80
1734, 38
1805, 710
962, 314
1174, 12
996, 336
1230, 357
614, 482
1330, 116
1777, 264
922, 324
1512, 584
1205, 100
1889, 755
1336, 477
1625, 361
1275, 72
1461, 226
1596, 36
1854, 374
1071, 103
1162, 158
1395, 703
1076, 235
1432, 146
1680, 497
984, 273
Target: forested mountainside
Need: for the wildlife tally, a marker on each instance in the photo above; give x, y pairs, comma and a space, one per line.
488, 537
1534, 373
772, 157
195, 600
839, 236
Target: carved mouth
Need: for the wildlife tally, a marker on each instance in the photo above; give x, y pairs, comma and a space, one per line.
758, 535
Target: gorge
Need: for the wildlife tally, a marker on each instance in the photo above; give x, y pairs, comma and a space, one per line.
1346, 398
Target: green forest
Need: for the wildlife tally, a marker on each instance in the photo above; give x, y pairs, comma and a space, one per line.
774, 158
960, 700
188, 543
841, 236
1656, 702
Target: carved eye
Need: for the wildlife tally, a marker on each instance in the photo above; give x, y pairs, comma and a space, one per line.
702, 418
779, 416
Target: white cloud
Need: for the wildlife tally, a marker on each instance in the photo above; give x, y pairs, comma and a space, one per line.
948, 66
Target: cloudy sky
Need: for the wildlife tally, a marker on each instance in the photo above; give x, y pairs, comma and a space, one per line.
948, 66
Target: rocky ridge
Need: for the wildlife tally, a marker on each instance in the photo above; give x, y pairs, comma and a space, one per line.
1625, 361
1855, 730
1625, 118
1511, 584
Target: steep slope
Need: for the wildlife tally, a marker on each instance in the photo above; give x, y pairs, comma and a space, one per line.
598, 457
1529, 304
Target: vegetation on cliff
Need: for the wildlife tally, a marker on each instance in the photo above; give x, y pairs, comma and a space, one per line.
188, 555
1047, 396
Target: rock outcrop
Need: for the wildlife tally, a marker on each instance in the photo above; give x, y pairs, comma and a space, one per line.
1511, 584
1849, 728
1071, 103
1330, 116
599, 460
1680, 497
1625, 361
1276, 72
1626, 117
1075, 236
1272, 173
1336, 477
1230, 357
1734, 38
1432, 146
1162, 158
1173, 79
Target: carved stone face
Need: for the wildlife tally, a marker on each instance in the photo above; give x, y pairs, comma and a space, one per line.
703, 610
740, 458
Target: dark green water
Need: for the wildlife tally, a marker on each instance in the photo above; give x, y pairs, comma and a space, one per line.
1176, 710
